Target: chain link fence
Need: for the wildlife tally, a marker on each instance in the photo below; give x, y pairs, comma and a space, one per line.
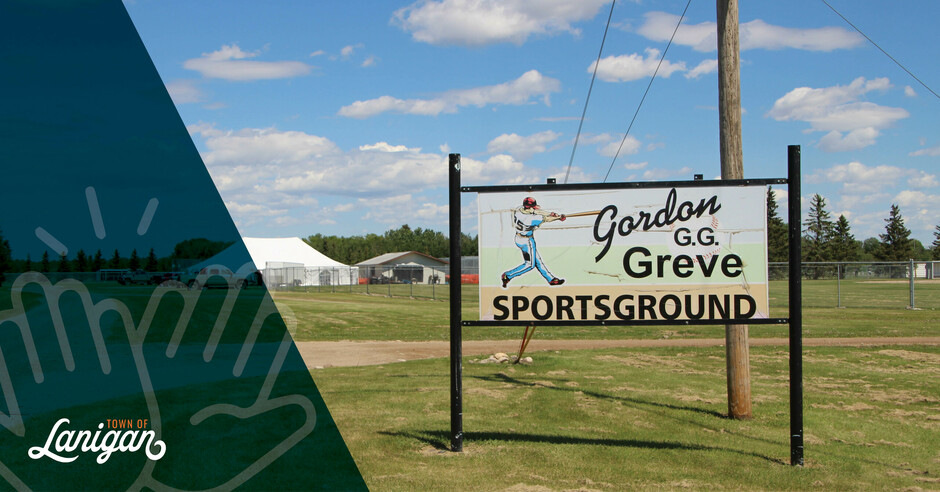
392, 281
906, 284
910, 284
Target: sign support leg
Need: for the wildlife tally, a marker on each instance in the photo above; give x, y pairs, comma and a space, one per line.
456, 374
796, 307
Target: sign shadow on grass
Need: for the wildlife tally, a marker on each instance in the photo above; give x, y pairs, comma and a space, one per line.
440, 439
503, 378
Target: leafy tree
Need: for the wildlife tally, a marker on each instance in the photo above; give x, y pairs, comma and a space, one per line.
895, 242
778, 246
468, 245
44, 263
64, 264
818, 231
918, 251
871, 248
199, 248
81, 261
115, 261
844, 247
134, 262
352, 250
151, 265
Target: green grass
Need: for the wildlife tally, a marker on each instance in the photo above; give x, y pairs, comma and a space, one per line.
875, 310
639, 419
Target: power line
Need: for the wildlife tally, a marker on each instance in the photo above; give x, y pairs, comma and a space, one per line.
880, 48
590, 88
647, 90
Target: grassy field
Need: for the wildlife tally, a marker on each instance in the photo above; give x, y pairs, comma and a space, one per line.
618, 419
875, 309
645, 419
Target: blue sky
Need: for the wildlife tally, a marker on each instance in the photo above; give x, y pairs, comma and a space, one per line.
337, 117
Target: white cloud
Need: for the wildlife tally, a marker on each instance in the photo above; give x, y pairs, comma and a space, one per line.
230, 63
348, 50
519, 91
920, 179
369, 61
850, 124
317, 53
909, 91
385, 147
396, 210
630, 146
919, 209
659, 26
522, 147
858, 179
756, 34
635, 166
269, 173
624, 68
660, 174
703, 68
930, 151
481, 22
184, 92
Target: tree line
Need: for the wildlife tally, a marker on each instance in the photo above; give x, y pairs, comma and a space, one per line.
825, 239
355, 249
191, 249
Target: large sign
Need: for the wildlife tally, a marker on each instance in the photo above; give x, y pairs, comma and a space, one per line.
689, 253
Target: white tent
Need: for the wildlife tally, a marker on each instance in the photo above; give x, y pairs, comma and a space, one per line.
290, 261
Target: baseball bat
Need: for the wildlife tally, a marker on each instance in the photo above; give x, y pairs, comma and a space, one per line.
581, 214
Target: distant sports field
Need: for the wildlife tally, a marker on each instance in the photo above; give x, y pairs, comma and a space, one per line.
640, 418
871, 309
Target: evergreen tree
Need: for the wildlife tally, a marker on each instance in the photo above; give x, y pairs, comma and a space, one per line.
936, 243
81, 261
29, 264
778, 246
115, 260
818, 231
64, 264
151, 265
44, 264
98, 262
844, 245
134, 262
895, 242
6, 257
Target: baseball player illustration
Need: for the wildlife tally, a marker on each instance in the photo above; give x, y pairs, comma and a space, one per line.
526, 220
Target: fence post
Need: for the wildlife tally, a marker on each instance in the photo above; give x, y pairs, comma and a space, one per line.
839, 284
912, 282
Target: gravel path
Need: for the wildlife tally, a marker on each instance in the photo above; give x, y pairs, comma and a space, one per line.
348, 354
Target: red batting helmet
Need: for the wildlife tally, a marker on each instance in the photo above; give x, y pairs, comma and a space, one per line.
529, 202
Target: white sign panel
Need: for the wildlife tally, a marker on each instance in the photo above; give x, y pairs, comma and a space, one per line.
696, 253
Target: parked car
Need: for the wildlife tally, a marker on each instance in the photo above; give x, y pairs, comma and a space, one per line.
140, 277
212, 277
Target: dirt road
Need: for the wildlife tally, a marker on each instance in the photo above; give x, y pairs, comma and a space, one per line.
346, 354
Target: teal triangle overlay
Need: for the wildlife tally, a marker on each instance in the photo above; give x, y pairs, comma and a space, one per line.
94, 157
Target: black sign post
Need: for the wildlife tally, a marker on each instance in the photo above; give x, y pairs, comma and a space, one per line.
796, 306
456, 371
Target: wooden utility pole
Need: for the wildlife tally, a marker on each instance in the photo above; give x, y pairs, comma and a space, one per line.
732, 167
